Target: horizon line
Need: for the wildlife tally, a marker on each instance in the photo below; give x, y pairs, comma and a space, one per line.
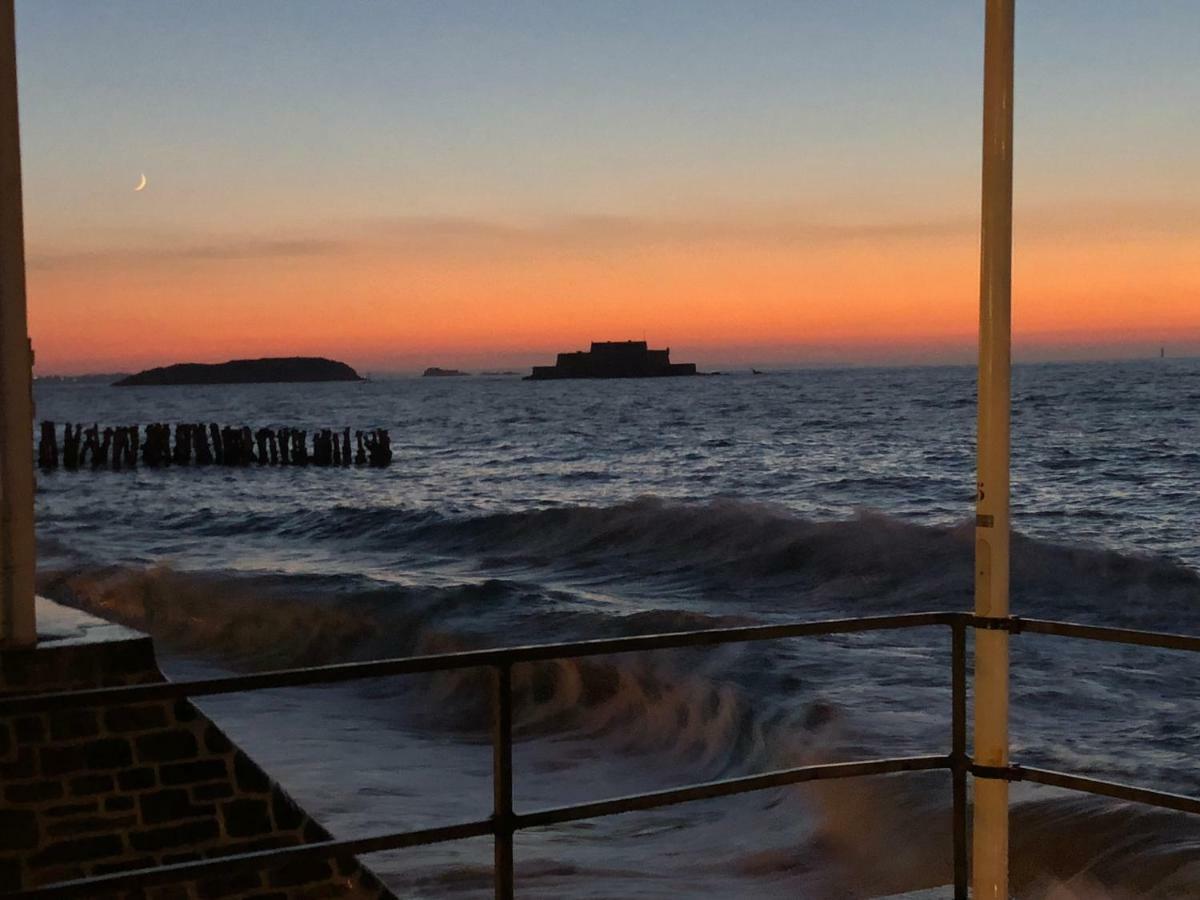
772, 367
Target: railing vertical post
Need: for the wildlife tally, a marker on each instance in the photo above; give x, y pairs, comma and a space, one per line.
990, 870
17, 626
502, 781
958, 753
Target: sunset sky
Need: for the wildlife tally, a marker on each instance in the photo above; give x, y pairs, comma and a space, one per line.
406, 184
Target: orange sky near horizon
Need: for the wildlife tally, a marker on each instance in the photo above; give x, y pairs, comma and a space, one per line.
464, 293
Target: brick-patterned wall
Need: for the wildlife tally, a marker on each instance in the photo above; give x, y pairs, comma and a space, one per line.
101, 790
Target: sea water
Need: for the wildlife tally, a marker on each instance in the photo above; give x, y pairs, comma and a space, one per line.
519, 512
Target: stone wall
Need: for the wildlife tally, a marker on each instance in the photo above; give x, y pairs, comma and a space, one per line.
99, 790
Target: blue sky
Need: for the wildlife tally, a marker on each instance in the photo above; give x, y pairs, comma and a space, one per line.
517, 108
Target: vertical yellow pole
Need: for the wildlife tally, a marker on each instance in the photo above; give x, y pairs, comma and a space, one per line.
990, 857
16, 369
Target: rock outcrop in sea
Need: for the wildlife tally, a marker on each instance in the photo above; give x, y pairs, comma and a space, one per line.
435, 372
245, 371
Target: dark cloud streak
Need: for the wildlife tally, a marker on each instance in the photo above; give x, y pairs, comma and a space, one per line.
601, 230
477, 238
161, 254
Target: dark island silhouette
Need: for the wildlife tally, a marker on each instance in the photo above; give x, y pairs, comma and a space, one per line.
245, 371
435, 372
613, 359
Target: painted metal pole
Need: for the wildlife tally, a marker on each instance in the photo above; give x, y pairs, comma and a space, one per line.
990, 856
17, 626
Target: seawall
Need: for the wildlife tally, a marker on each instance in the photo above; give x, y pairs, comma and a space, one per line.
99, 790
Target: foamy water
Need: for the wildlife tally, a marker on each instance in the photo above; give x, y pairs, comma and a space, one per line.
518, 512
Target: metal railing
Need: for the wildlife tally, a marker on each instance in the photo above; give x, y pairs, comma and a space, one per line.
504, 821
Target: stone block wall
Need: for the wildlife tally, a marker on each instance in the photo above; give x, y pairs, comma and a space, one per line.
97, 790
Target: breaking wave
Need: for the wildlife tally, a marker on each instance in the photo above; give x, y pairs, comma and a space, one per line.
731, 549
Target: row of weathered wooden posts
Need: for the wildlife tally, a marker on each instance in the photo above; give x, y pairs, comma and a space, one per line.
196, 444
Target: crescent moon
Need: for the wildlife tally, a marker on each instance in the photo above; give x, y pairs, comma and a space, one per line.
142, 183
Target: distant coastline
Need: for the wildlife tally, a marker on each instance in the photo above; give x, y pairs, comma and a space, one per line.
90, 378
287, 369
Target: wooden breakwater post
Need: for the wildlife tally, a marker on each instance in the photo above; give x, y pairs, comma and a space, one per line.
48, 448
160, 445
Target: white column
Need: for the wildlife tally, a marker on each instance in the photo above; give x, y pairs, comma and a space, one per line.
17, 550
990, 857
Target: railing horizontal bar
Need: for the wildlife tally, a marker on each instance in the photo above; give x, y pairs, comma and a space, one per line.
256, 861
1163, 639
442, 662
507, 656
1161, 799
728, 787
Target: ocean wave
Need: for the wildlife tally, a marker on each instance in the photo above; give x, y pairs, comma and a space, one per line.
674, 702
726, 549
871, 561
890, 836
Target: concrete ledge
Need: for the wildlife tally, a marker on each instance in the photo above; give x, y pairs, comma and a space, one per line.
76, 651
62, 626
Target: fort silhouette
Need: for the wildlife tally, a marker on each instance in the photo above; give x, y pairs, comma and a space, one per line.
613, 359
